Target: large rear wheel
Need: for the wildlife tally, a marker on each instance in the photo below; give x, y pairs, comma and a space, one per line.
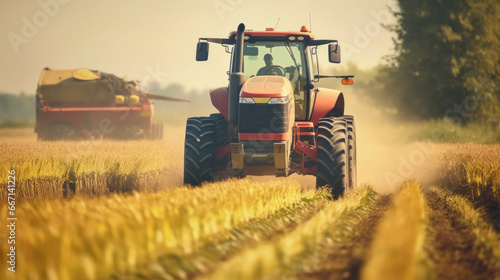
332, 155
199, 147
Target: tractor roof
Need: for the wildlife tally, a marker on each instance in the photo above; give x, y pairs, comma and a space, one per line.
277, 35
271, 35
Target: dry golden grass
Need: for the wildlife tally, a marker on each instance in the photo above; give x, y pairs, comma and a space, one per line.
397, 251
86, 168
472, 170
57, 159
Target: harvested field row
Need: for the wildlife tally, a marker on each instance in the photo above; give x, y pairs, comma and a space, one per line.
397, 250
465, 246
344, 260
422, 234
301, 250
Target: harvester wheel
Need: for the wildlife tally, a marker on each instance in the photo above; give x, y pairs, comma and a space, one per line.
61, 131
332, 155
351, 133
199, 150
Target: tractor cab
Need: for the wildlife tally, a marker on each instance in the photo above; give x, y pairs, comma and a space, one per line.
289, 54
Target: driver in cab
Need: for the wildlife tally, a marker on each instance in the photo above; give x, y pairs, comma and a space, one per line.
269, 69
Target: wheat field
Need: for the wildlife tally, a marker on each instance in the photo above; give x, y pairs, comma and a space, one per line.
103, 211
64, 168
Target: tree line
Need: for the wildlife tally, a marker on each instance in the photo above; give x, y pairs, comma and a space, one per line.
446, 62
17, 108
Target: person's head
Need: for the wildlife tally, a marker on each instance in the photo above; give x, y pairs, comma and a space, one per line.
268, 59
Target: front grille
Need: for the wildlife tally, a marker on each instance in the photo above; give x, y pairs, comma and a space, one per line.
263, 118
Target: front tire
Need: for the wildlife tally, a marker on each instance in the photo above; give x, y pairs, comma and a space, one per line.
199, 148
332, 155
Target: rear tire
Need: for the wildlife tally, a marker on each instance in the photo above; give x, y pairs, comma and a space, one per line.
199, 148
332, 155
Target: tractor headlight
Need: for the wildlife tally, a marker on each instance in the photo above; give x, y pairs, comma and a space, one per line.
280, 100
247, 100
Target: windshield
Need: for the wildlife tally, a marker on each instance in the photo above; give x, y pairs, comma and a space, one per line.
274, 58
281, 58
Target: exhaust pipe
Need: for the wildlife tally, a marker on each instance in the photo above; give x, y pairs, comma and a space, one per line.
238, 62
237, 77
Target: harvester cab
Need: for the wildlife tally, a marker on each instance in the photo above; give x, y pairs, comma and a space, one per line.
273, 119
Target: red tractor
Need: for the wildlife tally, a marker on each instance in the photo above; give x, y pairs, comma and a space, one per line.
87, 104
276, 121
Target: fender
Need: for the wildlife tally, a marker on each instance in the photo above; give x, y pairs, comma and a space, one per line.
220, 99
328, 102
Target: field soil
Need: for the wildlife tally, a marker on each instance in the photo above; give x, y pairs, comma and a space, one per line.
453, 252
346, 261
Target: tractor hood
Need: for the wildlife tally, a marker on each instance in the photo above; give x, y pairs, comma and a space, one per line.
266, 86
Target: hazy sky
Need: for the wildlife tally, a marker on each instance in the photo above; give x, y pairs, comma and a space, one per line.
155, 40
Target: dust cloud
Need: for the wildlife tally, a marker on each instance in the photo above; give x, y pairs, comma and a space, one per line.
173, 136
385, 154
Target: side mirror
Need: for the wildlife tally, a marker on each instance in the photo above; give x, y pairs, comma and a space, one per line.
334, 53
202, 51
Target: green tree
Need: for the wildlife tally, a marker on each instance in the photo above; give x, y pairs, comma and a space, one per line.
447, 60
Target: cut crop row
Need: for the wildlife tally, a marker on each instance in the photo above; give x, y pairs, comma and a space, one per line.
297, 251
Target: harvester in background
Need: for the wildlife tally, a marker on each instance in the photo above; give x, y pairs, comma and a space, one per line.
273, 119
78, 104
